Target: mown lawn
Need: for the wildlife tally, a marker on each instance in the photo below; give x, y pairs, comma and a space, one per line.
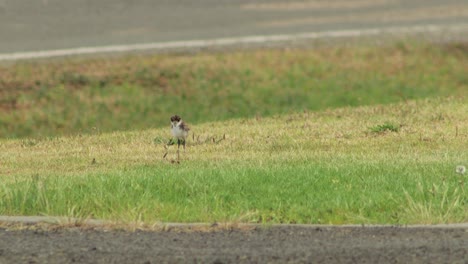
386, 163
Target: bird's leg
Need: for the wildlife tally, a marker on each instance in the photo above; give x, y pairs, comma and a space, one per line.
184, 144
178, 146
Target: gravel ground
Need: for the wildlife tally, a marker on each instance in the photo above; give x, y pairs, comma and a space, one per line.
279, 244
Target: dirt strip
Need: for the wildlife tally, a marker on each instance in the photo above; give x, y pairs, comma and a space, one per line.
53, 240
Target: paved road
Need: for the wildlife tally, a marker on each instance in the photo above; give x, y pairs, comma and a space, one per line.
261, 245
27, 25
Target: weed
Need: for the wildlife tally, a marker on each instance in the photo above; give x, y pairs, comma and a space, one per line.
437, 205
384, 128
29, 142
74, 79
460, 169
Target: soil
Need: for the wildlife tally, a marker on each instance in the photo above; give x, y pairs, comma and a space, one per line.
278, 244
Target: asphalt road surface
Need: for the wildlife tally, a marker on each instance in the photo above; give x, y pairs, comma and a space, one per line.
27, 25
260, 245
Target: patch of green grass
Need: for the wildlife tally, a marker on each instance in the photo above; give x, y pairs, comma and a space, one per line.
75, 96
322, 167
384, 128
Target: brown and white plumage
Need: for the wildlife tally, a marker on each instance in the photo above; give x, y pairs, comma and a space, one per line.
179, 130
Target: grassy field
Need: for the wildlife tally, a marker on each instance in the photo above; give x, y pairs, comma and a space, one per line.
76, 96
356, 134
392, 163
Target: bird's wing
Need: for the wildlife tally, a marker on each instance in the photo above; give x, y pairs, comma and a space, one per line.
184, 126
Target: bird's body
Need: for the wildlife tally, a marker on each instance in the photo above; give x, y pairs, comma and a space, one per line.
179, 130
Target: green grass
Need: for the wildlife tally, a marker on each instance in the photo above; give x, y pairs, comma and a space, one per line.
307, 167
75, 96
384, 128
331, 135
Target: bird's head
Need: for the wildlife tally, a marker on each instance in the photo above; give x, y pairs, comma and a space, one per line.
175, 119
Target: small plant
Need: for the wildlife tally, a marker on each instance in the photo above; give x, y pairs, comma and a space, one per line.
160, 140
460, 169
384, 128
29, 143
74, 79
441, 203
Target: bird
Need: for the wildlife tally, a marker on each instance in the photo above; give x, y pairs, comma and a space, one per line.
179, 130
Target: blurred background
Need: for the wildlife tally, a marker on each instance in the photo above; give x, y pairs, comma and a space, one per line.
54, 24
412, 49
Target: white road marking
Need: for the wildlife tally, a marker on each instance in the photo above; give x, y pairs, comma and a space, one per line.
233, 41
